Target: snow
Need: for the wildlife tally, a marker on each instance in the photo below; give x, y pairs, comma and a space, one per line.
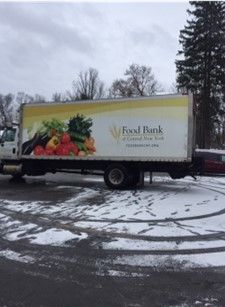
56, 237
9, 254
16, 230
155, 205
218, 151
174, 262
22, 230
142, 245
116, 273
21, 206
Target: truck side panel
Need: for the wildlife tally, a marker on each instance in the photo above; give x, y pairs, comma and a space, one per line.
145, 129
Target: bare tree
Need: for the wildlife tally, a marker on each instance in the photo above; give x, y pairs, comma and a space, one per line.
56, 97
22, 97
39, 98
174, 88
26, 98
87, 86
60, 97
121, 88
6, 109
140, 81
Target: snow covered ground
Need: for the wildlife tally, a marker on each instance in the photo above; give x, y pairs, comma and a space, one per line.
175, 224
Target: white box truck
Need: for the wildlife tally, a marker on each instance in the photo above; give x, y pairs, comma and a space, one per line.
118, 138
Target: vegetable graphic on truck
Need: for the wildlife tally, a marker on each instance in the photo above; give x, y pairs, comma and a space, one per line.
55, 137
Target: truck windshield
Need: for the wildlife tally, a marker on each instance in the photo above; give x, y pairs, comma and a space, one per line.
8, 135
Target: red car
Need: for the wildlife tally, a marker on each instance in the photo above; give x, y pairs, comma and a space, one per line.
214, 161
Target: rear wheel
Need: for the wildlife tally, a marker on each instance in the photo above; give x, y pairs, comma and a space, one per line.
177, 174
117, 176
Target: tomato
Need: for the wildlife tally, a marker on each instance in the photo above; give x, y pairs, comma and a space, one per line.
73, 148
49, 151
39, 150
65, 138
62, 150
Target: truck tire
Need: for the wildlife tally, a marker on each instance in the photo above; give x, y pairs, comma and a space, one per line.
177, 174
117, 176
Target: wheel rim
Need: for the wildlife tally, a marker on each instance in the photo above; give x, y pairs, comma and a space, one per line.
116, 176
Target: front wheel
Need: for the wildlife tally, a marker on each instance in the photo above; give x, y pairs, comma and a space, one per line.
117, 176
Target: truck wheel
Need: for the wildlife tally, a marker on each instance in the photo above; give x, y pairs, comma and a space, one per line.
177, 174
117, 177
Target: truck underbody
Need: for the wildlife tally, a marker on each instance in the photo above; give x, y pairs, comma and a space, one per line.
117, 174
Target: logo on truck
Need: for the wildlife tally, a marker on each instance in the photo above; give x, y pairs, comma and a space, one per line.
142, 130
116, 133
138, 133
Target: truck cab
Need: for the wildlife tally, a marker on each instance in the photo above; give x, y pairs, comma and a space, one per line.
9, 143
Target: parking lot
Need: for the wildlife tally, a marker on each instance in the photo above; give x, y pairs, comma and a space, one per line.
67, 240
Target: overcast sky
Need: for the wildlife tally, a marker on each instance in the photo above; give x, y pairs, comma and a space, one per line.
43, 46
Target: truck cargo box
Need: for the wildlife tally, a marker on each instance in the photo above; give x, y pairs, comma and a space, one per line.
157, 128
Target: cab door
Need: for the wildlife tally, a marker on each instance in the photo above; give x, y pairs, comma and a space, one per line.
8, 144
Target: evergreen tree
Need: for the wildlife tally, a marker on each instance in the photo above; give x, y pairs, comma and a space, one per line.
202, 66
